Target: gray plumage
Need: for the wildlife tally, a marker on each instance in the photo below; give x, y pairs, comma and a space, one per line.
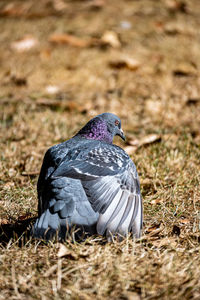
91, 183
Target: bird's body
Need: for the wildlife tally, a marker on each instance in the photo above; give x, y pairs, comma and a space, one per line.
89, 182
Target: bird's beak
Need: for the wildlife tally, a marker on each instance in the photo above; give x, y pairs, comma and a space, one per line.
121, 134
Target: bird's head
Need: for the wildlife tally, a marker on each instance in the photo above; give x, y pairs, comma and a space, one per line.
103, 127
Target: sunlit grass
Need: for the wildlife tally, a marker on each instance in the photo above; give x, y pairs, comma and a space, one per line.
165, 262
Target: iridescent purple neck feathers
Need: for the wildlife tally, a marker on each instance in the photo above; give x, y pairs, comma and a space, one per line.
96, 129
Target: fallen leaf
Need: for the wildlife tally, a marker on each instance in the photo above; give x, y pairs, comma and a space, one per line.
175, 5
64, 252
95, 4
111, 38
184, 69
15, 9
156, 201
134, 142
149, 139
146, 140
125, 62
153, 230
25, 44
132, 296
165, 242
184, 221
68, 39
130, 149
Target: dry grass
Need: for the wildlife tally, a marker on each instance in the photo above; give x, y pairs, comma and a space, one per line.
162, 97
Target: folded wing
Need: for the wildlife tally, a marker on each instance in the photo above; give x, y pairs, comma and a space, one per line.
111, 184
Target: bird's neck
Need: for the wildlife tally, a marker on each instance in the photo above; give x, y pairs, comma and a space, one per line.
96, 130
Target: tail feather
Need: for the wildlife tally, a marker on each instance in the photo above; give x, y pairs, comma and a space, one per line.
51, 224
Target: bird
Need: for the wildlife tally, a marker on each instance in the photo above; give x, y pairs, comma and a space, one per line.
89, 183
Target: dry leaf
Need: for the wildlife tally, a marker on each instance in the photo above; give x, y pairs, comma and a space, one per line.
125, 62
184, 221
15, 9
184, 69
149, 139
153, 228
134, 142
156, 201
165, 242
111, 38
154, 232
95, 4
132, 296
64, 252
175, 5
131, 63
25, 44
130, 149
64, 38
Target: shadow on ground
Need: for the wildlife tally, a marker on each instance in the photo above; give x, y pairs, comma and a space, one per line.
20, 231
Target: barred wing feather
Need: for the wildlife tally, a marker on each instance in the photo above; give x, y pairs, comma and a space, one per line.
112, 186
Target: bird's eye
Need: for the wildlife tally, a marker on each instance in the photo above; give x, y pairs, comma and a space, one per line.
116, 122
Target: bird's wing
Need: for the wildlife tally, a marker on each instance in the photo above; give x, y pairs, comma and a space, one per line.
62, 201
111, 183
51, 161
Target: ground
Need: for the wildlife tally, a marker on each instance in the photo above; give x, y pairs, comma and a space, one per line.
62, 62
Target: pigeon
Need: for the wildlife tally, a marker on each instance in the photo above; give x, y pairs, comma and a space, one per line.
90, 184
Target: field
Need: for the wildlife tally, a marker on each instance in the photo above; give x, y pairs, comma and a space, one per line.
63, 62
